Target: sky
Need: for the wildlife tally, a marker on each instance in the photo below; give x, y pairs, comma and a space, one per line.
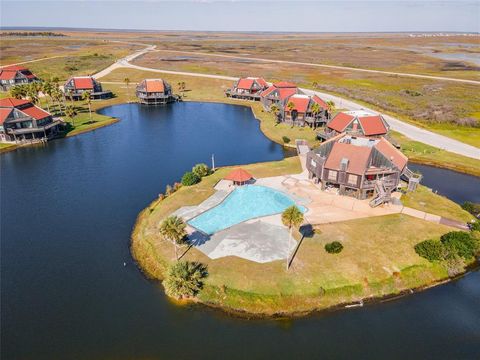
243, 15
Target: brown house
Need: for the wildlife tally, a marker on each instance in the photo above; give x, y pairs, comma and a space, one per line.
299, 109
155, 92
278, 94
20, 120
360, 123
15, 75
360, 167
77, 85
247, 88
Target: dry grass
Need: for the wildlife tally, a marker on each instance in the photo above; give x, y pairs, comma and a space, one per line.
378, 257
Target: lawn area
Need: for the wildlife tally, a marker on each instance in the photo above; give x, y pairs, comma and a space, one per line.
378, 257
429, 155
425, 200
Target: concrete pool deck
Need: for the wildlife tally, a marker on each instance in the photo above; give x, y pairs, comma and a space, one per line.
266, 239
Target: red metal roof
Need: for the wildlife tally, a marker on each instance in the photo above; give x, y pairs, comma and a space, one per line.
340, 122
83, 83
320, 102
300, 102
14, 68
358, 157
245, 84
154, 85
391, 153
35, 112
4, 112
267, 91
7, 74
284, 84
239, 175
372, 125
284, 93
12, 102
261, 82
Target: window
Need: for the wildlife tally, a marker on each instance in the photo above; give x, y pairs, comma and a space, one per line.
352, 179
332, 175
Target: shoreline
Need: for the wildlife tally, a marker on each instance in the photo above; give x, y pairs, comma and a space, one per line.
153, 265
248, 105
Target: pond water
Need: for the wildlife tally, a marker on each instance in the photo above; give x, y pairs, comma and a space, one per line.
67, 212
473, 58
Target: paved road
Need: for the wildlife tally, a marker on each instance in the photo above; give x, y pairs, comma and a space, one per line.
430, 77
411, 131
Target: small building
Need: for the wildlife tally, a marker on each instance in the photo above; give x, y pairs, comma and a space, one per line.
278, 94
22, 121
239, 177
360, 123
247, 88
77, 85
155, 92
300, 109
15, 75
359, 166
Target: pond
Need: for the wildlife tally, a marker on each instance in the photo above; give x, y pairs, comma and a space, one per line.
71, 290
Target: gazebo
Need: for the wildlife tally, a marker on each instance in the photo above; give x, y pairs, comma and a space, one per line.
239, 176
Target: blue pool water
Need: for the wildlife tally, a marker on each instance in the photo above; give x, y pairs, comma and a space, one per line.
244, 203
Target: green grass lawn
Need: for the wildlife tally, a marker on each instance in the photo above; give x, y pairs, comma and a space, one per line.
425, 200
378, 257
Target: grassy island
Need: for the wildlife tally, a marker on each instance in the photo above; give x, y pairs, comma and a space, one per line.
378, 258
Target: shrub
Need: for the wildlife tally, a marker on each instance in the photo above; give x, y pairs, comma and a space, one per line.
189, 178
201, 170
176, 186
472, 208
168, 190
475, 226
454, 264
286, 139
460, 243
431, 250
185, 279
334, 247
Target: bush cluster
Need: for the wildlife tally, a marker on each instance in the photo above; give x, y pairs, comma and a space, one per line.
189, 179
453, 248
201, 170
286, 139
334, 247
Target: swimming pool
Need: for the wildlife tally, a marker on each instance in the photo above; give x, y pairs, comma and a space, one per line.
244, 203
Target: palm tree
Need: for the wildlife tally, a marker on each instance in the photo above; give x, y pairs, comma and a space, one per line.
32, 93
18, 91
86, 96
57, 96
181, 87
315, 109
70, 112
291, 108
275, 110
47, 91
127, 82
331, 107
185, 279
291, 217
173, 228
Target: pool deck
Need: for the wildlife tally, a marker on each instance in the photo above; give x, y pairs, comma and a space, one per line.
266, 239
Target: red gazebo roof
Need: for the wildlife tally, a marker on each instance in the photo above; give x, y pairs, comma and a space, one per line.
239, 175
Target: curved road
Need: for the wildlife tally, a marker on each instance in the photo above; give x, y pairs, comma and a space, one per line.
430, 77
411, 131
